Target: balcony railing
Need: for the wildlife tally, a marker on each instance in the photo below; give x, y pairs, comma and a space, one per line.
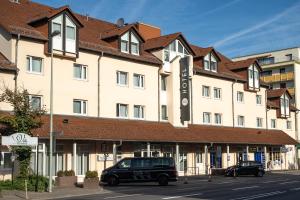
278, 77
269, 61
292, 91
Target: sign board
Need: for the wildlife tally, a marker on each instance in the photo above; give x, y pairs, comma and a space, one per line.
102, 157
19, 139
184, 90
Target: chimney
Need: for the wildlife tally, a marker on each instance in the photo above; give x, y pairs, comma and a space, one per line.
148, 31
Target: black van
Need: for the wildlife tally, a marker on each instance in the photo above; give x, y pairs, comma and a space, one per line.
161, 170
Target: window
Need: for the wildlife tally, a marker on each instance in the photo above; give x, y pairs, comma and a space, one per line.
217, 93
138, 111
218, 118
210, 62
289, 57
282, 70
138, 80
80, 71
5, 160
253, 77
122, 78
122, 110
125, 43
180, 47
82, 159
273, 123
206, 65
163, 83
206, 118
198, 157
166, 55
266, 60
205, 91
164, 113
288, 124
56, 27
70, 32
284, 106
259, 122
213, 66
267, 73
35, 102
258, 100
241, 120
80, 107
34, 64
134, 45
125, 164
240, 96
127, 39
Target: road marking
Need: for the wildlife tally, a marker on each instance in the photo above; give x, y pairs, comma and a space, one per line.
295, 189
259, 195
189, 188
177, 197
226, 182
289, 182
122, 196
244, 188
278, 180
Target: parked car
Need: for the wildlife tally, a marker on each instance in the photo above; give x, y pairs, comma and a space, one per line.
246, 168
161, 170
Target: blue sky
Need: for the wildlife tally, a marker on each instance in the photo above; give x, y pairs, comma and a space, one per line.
234, 27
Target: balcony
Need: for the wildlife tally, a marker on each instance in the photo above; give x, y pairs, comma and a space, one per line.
292, 91
278, 77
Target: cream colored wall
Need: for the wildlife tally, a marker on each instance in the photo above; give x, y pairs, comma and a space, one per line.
6, 81
6, 44
297, 92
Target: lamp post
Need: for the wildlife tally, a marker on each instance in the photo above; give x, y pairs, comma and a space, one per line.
52, 35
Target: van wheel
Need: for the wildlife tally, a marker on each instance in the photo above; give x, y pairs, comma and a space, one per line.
112, 181
163, 180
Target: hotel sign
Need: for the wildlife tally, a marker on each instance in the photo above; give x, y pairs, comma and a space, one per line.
19, 139
184, 90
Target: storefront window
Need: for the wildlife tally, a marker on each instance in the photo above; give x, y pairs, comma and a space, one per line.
5, 160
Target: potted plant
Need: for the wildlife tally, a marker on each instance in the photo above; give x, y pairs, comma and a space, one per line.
66, 178
91, 180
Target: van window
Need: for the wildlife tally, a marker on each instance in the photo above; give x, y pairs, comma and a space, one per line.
124, 164
159, 162
141, 163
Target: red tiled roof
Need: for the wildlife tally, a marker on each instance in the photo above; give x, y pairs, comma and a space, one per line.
160, 42
240, 64
117, 31
87, 128
276, 93
200, 51
5, 64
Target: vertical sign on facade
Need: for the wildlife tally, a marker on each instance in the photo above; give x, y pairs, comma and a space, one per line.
184, 90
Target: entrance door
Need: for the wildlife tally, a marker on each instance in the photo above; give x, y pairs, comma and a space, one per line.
182, 162
258, 157
213, 159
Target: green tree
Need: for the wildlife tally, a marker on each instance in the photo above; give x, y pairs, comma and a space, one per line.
24, 118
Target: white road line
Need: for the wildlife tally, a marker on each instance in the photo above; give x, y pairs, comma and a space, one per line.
244, 188
122, 196
177, 197
259, 195
226, 182
272, 181
189, 188
289, 182
295, 189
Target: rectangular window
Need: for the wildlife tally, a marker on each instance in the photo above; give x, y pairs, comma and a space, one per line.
240, 96
122, 110
259, 122
166, 55
164, 112
5, 160
35, 102
70, 32
217, 93
267, 73
218, 118
206, 65
206, 118
124, 46
56, 27
288, 124
122, 78
199, 157
80, 107
80, 71
213, 66
163, 83
258, 100
282, 71
273, 123
241, 121
134, 48
289, 57
34, 64
205, 91
138, 80
139, 111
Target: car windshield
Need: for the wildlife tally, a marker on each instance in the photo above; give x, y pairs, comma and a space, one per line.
123, 164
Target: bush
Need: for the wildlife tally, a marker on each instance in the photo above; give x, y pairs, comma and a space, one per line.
19, 183
60, 173
6, 185
91, 174
69, 173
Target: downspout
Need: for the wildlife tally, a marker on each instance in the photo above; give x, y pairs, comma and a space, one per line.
98, 85
232, 95
297, 139
16, 61
158, 93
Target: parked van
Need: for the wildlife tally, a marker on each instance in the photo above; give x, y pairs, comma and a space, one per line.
161, 170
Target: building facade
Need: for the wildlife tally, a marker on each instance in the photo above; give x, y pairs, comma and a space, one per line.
118, 93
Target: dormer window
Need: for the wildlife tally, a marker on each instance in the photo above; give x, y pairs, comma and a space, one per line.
253, 78
130, 43
210, 63
284, 106
173, 49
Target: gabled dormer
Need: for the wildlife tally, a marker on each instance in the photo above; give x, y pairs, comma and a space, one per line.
210, 62
285, 105
281, 98
253, 77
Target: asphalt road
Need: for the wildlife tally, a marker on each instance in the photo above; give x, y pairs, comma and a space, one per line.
271, 186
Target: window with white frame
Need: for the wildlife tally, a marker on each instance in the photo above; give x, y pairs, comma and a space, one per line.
205, 91
80, 71
273, 123
122, 78
218, 118
34, 64
122, 110
163, 83
70, 35
164, 112
139, 111
134, 44
241, 120
79, 107
206, 117
35, 102
173, 49
130, 43
253, 77
217, 93
5, 160
258, 100
125, 43
240, 96
138, 80
288, 124
198, 156
210, 62
284, 105
259, 122
82, 158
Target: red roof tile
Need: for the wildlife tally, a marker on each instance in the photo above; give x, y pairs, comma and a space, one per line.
5, 64
160, 42
277, 93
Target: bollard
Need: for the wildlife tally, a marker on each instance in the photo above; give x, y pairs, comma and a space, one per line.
209, 176
26, 194
185, 178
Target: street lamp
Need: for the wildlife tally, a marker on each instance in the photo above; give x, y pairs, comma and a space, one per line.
52, 35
